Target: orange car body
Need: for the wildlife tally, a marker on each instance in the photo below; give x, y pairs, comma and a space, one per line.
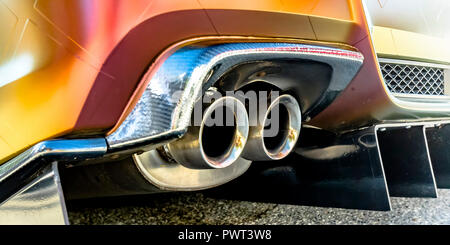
71, 67
107, 91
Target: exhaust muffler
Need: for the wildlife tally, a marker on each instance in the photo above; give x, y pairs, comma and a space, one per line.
275, 131
218, 141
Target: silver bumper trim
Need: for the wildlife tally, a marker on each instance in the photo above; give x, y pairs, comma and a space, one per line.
41, 202
20, 170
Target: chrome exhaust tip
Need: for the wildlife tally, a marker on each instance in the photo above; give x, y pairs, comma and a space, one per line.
263, 145
215, 143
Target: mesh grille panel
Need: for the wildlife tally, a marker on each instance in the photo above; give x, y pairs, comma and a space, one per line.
412, 79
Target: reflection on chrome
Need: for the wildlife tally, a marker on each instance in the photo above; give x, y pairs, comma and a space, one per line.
285, 120
210, 145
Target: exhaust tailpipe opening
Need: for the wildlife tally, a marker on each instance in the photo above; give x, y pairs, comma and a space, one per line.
284, 116
212, 147
215, 143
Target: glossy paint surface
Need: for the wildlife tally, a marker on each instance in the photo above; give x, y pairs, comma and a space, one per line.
367, 100
71, 66
411, 29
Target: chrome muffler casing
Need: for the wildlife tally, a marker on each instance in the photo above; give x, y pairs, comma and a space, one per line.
191, 151
263, 145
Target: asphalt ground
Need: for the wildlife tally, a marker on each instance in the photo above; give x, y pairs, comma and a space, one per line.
198, 208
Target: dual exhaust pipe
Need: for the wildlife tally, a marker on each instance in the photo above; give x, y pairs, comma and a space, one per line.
217, 143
